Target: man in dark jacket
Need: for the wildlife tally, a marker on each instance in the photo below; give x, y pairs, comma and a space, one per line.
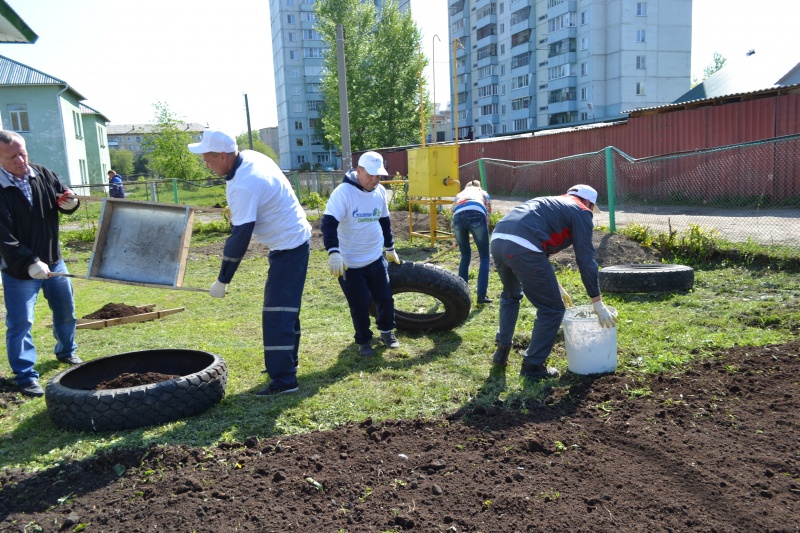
31, 196
521, 244
115, 187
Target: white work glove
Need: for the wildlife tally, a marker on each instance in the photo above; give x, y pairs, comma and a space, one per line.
565, 297
336, 263
391, 256
604, 316
217, 289
39, 270
67, 200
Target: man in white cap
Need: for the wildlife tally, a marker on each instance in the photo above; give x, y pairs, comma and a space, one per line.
263, 205
521, 244
357, 234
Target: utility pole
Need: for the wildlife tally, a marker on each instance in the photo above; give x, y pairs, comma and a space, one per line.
344, 117
249, 131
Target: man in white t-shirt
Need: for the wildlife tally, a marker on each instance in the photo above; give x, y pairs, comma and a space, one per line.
357, 234
263, 205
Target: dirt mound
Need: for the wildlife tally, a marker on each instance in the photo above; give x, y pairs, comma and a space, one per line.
112, 310
714, 449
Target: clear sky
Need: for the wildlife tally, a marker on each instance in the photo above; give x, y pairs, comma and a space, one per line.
201, 57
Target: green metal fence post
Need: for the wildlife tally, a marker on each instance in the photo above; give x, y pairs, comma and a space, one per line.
612, 223
175, 189
297, 185
482, 171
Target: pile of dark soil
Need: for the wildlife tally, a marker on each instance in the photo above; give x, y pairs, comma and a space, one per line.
120, 310
134, 380
714, 449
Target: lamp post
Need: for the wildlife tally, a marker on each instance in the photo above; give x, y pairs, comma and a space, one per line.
456, 43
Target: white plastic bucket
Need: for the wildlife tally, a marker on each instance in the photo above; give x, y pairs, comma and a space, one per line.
591, 349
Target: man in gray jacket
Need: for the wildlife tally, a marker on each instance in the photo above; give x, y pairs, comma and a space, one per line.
521, 244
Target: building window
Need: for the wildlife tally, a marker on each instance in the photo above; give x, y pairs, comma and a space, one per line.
561, 95
640, 36
487, 51
312, 35
521, 60
313, 53
641, 9
312, 123
640, 62
487, 129
485, 11
584, 43
314, 105
584, 92
298, 108
502, 49
584, 69
584, 115
489, 70
521, 124
291, 19
640, 88
299, 141
457, 25
490, 109
76, 119
308, 16
101, 139
520, 103
521, 38
289, 3
584, 18
18, 113
301, 159
292, 37
323, 158
298, 124
521, 15
561, 71
488, 90
293, 55
519, 82
82, 165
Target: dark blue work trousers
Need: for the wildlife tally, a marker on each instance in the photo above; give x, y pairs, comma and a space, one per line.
524, 271
363, 285
280, 317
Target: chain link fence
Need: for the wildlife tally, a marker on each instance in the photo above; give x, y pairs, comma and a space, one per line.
745, 192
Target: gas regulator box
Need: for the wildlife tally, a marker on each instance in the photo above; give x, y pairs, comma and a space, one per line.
433, 171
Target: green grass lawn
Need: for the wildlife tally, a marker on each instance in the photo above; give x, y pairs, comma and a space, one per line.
430, 373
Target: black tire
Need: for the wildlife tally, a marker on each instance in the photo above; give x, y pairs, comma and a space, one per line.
440, 284
73, 403
646, 278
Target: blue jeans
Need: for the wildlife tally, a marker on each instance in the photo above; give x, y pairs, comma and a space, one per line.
280, 317
20, 299
474, 222
523, 271
363, 285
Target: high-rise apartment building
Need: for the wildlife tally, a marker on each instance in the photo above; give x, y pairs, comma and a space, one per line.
297, 50
527, 64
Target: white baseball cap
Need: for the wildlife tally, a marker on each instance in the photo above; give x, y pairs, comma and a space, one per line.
372, 163
214, 141
585, 192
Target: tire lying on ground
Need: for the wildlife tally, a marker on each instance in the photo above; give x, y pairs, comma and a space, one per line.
444, 302
646, 278
74, 403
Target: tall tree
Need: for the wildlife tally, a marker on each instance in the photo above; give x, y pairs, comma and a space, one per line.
719, 62
243, 142
121, 161
383, 69
166, 148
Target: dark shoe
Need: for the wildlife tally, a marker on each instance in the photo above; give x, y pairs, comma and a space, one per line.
71, 360
32, 389
485, 300
278, 387
390, 340
500, 356
538, 372
365, 349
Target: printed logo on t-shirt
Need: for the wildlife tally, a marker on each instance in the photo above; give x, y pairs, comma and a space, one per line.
372, 216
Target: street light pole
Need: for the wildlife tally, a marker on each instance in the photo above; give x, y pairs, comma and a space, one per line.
433, 66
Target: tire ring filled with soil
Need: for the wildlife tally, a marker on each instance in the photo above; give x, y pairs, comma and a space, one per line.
73, 401
646, 278
436, 282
